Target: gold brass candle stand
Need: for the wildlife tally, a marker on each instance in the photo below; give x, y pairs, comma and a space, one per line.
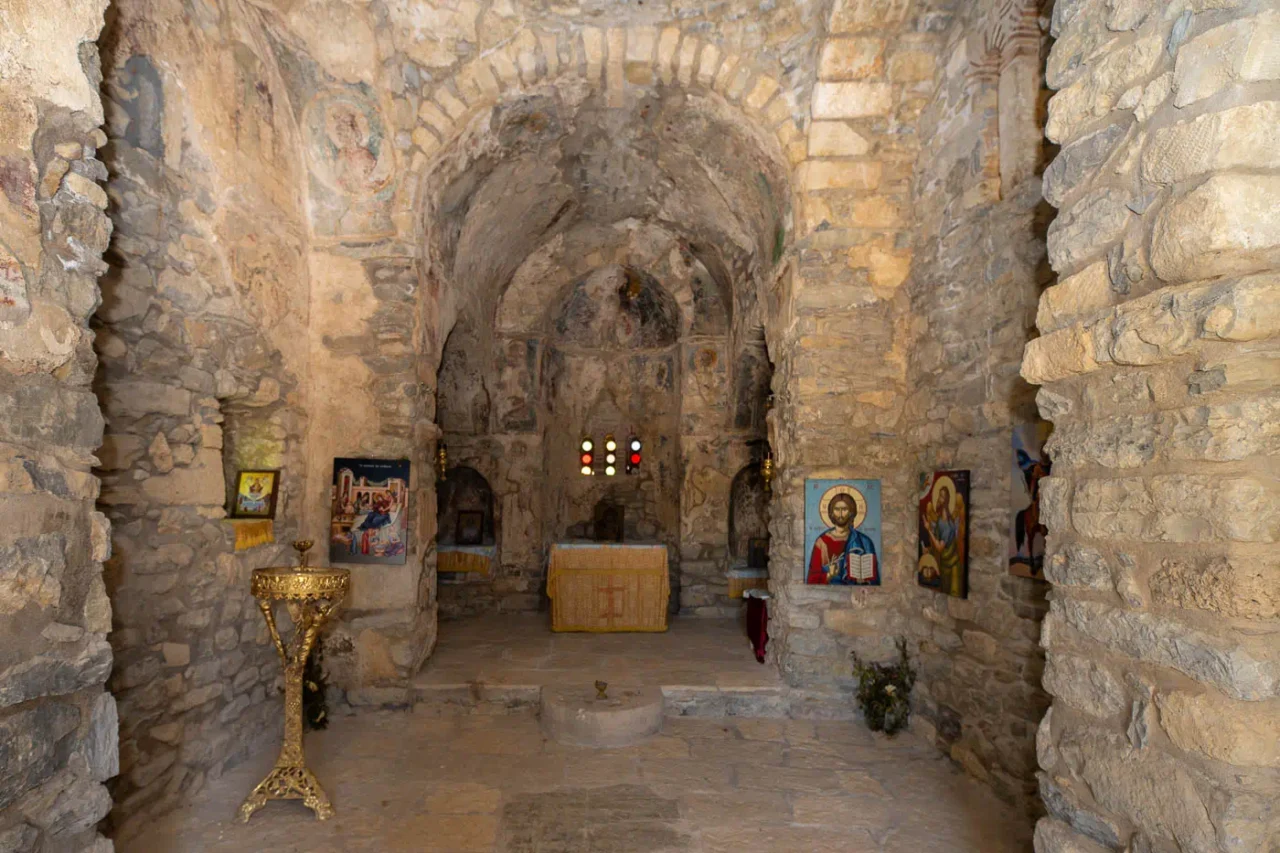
312, 595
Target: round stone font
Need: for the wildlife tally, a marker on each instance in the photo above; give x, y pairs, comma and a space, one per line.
579, 717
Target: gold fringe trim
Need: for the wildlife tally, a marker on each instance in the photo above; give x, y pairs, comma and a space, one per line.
462, 561
252, 533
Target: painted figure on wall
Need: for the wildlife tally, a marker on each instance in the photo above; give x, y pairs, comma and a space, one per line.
842, 532
348, 145
370, 511
942, 561
1030, 465
352, 163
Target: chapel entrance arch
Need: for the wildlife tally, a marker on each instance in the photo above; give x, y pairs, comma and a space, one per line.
535, 193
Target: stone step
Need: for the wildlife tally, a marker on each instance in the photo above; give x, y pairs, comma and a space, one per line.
725, 608
476, 697
679, 700
767, 702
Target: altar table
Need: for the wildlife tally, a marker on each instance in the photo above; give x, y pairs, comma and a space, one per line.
599, 588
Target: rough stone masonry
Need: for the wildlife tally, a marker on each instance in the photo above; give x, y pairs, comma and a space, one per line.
58, 741
1158, 365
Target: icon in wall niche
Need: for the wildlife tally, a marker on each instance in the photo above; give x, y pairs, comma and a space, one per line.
469, 529
370, 511
942, 562
842, 532
256, 493
1030, 465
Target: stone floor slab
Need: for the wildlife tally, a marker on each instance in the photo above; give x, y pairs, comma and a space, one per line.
404, 781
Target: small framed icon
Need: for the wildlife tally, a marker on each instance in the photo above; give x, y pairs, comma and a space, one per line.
256, 493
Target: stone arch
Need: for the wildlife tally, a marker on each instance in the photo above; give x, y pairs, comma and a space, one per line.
452, 116
617, 57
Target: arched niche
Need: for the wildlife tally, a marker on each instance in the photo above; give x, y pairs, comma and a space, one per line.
462, 395
464, 490
748, 513
617, 308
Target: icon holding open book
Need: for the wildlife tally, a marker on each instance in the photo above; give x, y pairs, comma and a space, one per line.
843, 528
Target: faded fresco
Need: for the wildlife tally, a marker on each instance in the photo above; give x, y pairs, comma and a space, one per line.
352, 163
942, 560
370, 511
1030, 465
842, 532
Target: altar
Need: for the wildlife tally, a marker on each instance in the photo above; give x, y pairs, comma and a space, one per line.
608, 587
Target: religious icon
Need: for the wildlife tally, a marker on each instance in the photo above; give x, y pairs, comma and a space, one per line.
1030, 465
469, 529
842, 532
943, 556
608, 522
370, 517
255, 495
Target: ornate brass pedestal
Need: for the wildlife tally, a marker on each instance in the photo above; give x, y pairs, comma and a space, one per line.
311, 595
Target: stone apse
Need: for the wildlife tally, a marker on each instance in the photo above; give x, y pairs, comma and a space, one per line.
273, 234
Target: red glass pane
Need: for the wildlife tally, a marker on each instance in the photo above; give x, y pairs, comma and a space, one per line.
635, 458
586, 459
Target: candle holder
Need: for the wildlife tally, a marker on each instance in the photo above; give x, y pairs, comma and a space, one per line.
312, 595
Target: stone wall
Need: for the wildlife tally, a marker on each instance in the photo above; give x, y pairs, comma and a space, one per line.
978, 271
839, 325
1158, 361
202, 336
57, 726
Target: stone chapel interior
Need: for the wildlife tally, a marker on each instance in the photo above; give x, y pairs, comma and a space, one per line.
945, 328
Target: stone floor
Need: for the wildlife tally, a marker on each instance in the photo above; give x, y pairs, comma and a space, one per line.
515, 649
418, 781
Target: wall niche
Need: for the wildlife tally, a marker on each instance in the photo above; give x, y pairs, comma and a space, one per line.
465, 509
466, 533
748, 516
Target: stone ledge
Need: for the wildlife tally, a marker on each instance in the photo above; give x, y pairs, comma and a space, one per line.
679, 700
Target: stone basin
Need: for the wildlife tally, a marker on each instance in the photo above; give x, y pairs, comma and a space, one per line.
575, 716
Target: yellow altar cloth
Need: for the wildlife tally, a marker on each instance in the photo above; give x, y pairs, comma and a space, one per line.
602, 588
475, 559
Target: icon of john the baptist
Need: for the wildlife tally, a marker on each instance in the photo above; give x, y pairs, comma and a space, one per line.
842, 554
